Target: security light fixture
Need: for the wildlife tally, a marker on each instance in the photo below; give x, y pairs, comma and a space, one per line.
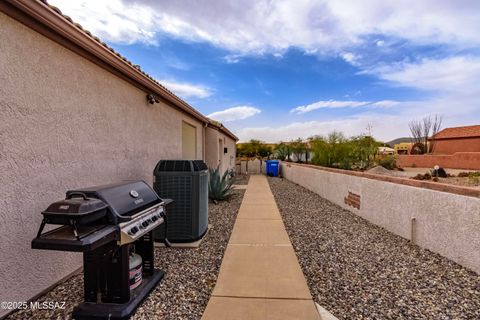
152, 98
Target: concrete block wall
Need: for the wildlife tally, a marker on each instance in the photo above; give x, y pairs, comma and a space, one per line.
458, 160
447, 220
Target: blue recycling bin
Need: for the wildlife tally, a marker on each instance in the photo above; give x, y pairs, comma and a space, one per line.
272, 168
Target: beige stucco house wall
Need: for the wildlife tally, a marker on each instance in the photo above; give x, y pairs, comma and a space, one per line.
220, 149
67, 123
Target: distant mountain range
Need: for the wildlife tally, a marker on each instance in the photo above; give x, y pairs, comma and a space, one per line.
399, 140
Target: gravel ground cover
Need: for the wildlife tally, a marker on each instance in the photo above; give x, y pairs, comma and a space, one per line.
242, 179
357, 270
191, 275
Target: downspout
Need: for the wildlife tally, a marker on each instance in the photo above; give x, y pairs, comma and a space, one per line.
203, 142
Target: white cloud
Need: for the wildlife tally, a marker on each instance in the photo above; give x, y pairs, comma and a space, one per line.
349, 57
454, 74
187, 90
235, 113
385, 103
232, 58
384, 126
342, 104
258, 26
456, 111
113, 20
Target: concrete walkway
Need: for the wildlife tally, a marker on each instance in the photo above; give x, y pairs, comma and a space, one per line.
260, 277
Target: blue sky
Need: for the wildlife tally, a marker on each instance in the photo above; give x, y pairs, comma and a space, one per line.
278, 70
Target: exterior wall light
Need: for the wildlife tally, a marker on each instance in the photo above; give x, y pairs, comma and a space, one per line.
151, 98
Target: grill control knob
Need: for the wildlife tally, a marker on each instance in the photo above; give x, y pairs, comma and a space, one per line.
134, 230
154, 218
145, 224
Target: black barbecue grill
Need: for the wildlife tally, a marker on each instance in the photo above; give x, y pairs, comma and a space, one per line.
107, 223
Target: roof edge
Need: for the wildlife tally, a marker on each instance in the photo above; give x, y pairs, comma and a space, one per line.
457, 133
219, 126
52, 18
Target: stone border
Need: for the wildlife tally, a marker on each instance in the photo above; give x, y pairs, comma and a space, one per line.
437, 186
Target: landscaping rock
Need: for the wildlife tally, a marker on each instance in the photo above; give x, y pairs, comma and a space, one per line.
357, 270
381, 171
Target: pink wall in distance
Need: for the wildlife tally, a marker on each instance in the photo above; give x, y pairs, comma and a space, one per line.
458, 160
450, 146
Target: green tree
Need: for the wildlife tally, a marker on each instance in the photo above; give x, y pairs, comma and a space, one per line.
298, 148
282, 151
364, 149
254, 148
336, 150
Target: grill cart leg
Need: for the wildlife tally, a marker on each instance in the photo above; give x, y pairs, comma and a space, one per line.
144, 247
93, 278
116, 311
107, 269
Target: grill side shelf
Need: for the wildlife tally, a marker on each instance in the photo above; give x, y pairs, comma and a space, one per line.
63, 238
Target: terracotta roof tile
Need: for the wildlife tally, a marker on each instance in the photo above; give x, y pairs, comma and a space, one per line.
459, 132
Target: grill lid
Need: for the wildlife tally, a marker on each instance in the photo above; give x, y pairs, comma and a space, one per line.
125, 198
76, 207
76, 204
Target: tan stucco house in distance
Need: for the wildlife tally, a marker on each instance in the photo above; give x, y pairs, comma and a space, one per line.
75, 113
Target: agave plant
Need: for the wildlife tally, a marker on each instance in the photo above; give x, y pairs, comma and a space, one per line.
219, 187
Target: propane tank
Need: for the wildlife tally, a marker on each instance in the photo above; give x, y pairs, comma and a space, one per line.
135, 274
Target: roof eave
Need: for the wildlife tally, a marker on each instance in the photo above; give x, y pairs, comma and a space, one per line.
219, 126
46, 15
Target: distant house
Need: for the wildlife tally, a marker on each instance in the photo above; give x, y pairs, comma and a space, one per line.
457, 139
385, 151
403, 147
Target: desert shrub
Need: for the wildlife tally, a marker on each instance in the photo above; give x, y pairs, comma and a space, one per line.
388, 162
468, 174
474, 178
426, 176
337, 151
219, 187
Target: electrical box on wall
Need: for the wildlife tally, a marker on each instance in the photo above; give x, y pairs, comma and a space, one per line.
225, 150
